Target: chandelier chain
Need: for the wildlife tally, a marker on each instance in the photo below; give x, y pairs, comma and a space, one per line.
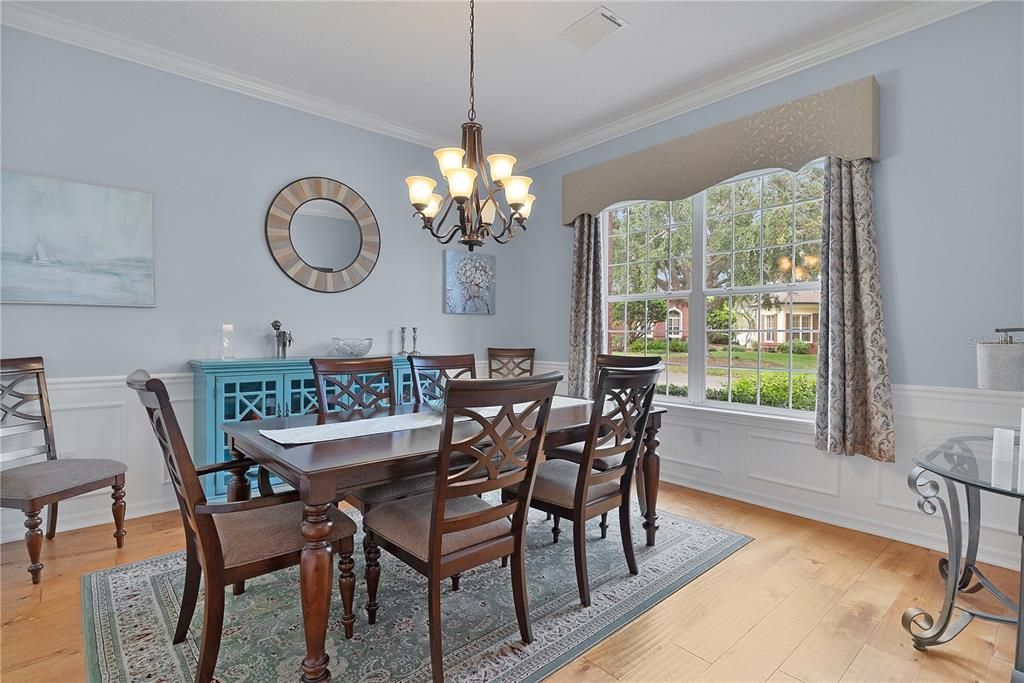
472, 62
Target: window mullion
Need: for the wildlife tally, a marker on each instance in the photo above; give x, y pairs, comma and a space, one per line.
697, 318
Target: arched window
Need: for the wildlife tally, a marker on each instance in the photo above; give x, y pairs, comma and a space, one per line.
732, 275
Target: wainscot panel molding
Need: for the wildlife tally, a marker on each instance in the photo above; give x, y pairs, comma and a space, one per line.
770, 460
766, 460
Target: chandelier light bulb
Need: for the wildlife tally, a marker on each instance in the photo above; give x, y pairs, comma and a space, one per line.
527, 207
449, 158
501, 166
517, 188
420, 189
461, 182
433, 206
487, 212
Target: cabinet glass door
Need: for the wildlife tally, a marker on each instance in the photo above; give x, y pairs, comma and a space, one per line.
241, 398
300, 393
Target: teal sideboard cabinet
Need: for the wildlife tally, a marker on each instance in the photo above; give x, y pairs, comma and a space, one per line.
253, 389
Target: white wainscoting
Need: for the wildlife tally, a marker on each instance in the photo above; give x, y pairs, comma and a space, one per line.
772, 462
763, 460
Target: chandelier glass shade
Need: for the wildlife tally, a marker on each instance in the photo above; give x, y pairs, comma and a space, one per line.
483, 198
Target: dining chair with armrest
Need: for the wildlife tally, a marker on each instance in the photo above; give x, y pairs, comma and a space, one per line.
579, 492
451, 530
26, 432
230, 542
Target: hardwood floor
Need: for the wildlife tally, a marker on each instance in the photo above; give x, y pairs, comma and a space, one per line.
804, 602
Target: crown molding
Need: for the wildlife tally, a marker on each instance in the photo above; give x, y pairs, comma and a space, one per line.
898, 22
32, 20
877, 30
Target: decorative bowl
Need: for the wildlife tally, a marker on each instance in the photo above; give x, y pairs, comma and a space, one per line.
350, 347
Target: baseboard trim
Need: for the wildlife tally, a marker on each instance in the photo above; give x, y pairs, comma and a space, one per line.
672, 472
70, 521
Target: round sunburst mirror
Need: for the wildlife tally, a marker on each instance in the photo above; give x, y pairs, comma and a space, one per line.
322, 234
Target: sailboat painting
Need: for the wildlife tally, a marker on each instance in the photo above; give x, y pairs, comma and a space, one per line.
63, 242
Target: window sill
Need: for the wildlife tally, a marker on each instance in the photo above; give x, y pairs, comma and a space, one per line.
796, 421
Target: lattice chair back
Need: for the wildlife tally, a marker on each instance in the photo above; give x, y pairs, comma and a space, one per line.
510, 362
26, 425
615, 360
348, 384
182, 471
431, 374
493, 432
622, 404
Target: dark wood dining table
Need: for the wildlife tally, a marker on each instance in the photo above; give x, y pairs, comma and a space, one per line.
318, 471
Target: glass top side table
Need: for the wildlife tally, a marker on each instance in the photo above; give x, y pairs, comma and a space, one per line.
967, 461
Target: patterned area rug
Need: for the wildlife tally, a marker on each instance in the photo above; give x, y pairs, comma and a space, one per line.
129, 613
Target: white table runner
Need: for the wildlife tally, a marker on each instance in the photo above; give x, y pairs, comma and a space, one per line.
382, 425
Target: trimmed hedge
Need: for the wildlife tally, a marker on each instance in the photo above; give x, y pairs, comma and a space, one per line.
658, 346
673, 390
799, 346
774, 391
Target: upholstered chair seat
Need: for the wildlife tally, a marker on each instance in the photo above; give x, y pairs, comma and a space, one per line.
277, 532
573, 452
556, 484
406, 524
53, 477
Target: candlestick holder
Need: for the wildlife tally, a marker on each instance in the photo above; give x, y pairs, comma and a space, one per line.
415, 332
403, 352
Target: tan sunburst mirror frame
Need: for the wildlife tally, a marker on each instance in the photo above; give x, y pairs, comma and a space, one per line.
312, 272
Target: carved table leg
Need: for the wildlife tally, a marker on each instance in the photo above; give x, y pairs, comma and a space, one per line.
652, 476
118, 508
315, 584
238, 489
34, 541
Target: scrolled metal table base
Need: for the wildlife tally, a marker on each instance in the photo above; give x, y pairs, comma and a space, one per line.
958, 568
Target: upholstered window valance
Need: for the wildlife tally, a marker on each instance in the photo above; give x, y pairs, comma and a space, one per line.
842, 122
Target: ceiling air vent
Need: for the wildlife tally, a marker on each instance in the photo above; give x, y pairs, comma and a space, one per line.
592, 28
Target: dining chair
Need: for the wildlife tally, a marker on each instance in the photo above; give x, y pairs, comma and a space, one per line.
431, 374
348, 385
579, 492
573, 452
450, 530
227, 543
510, 362
26, 432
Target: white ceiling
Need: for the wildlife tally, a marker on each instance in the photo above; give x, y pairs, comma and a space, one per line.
401, 67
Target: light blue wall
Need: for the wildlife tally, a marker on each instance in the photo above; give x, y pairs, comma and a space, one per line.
213, 160
948, 191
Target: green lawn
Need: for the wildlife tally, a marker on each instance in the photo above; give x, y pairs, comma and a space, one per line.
746, 359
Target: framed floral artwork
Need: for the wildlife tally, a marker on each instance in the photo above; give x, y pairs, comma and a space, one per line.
469, 283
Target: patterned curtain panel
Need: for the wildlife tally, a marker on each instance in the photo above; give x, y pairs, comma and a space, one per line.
586, 308
854, 398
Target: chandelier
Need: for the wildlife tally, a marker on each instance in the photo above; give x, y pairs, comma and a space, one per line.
473, 187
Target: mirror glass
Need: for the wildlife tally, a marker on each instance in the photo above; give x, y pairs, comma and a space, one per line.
325, 235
